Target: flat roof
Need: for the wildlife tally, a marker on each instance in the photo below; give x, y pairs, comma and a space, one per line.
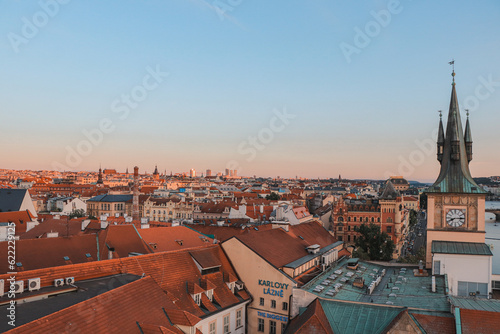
297, 263
398, 287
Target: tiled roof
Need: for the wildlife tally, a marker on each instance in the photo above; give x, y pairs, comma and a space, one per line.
49, 252
434, 324
359, 318
313, 320
164, 239
182, 318
123, 239
479, 322
465, 248
280, 247
62, 226
139, 301
205, 259
170, 270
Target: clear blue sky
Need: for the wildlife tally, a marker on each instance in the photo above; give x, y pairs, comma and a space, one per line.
232, 64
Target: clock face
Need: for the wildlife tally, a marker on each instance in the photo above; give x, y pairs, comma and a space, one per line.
455, 217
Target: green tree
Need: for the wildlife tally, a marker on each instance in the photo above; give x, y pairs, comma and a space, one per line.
413, 218
372, 244
273, 197
77, 213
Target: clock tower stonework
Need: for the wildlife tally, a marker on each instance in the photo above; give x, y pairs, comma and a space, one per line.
455, 203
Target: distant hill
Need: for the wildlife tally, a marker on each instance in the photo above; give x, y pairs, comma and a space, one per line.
484, 181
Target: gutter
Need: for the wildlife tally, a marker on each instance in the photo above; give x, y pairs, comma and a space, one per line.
458, 322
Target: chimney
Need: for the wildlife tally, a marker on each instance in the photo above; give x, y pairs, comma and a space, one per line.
261, 208
135, 200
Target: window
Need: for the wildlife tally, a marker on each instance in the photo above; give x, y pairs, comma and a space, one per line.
340, 228
283, 326
197, 299
348, 238
226, 324
261, 302
211, 328
473, 289
238, 318
273, 303
354, 218
261, 325
339, 237
272, 327
389, 229
285, 306
349, 227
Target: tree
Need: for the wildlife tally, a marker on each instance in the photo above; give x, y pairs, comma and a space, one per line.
77, 213
372, 244
273, 197
413, 218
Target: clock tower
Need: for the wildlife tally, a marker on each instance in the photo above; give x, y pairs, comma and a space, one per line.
455, 203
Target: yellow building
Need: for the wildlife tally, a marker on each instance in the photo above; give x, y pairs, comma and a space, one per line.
273, 262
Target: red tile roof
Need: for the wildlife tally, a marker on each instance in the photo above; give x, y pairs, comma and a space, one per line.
164, 239
19, 218
434, 324
49, 252
479, 322
313, 320
170, 270
139, 301
280, 247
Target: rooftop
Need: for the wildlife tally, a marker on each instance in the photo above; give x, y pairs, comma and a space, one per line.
464, 248
397, 286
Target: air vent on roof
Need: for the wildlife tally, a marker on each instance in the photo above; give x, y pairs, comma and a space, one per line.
70, 280
34, 284
66, 258
18, 287
19, 264
58, 282
88, 255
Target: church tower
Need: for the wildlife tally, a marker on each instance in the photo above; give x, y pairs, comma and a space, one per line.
455, 203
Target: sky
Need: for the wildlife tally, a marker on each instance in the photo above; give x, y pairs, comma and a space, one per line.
270, 88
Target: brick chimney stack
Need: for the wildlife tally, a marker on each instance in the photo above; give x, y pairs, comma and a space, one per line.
135, 200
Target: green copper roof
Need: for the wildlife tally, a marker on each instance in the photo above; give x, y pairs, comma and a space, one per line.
466, 248
481, 304
358, 318
454, 176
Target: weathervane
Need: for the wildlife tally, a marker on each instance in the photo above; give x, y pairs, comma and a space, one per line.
467, 112
452, 63
440, 113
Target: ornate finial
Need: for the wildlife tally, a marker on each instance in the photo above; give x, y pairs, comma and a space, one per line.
467, 112
452, 63
440, 113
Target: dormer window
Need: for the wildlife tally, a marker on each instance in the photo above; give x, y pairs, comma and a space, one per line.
230, 285
210, 294
197, 299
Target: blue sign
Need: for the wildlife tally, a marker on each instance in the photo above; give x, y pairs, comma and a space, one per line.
272, 316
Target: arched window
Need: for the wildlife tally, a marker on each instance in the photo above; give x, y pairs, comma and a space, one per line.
389, 219
341, 219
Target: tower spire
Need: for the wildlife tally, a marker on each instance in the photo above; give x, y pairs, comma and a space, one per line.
455, 176
440, 141
468, 138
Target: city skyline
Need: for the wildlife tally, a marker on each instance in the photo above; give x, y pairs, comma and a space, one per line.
308, 90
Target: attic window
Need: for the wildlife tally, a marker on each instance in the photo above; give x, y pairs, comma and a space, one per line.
179, 242
88, 255
210, 270
210, 294
301, 237
197, 299
66, 258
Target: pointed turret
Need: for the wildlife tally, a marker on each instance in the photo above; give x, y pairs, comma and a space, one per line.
440, 141
455, 176
99, 176
468, 138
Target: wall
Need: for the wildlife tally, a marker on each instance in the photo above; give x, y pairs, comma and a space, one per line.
468, 268
256, 272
